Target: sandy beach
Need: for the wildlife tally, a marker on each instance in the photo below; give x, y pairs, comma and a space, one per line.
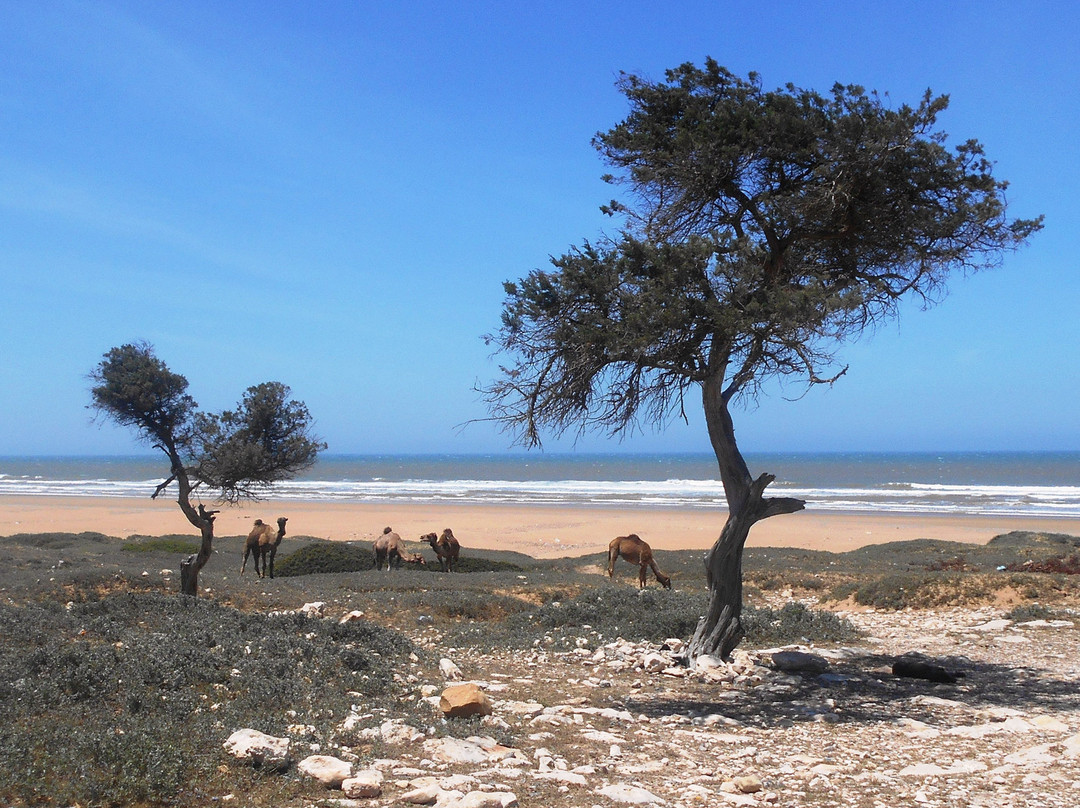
540, 531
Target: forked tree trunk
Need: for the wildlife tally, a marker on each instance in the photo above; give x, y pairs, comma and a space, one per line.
720, 629
200, 518
190, 566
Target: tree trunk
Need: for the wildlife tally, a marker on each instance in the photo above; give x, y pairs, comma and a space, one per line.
190, 566
200, 518
720, 629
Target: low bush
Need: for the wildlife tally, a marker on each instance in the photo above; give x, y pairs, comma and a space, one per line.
175, 544
794, 623
127, 699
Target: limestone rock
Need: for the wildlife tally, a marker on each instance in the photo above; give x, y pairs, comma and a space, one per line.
455, 750
463, 701
351, 617
450, 671
313, 609
799, 662
398, 733
365, 784
258, 747
488, 799
628, 795
748, 784
330, 771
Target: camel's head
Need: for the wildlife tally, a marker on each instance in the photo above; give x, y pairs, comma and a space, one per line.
281, 521
430, 538
664, 580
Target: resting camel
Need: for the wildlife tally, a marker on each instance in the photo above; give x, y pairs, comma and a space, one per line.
262, 542
636, 551
446, 547
390, 550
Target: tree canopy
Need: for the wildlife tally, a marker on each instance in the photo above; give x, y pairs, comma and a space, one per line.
758, 231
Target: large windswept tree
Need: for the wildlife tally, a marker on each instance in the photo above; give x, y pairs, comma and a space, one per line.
760, 230
230, 456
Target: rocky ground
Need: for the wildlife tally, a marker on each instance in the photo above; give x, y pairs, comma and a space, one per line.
623, 724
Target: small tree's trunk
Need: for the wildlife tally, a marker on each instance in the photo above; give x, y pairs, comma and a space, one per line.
200, 518
720, 629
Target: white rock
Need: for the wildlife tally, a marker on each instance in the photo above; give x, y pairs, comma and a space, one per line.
330, 771
352, 617
449, 670
425, 795
992, 625
365, 784
258, 747
454, 750
398, 733
487, 799
630, 795
570, 778
314, 609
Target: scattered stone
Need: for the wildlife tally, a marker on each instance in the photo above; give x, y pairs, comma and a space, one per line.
799, 662
455, 750
330, 771
918, 669
351, 617
463, 701
313, 609
629, 795
398, 733
450, 671
748, 784
258, 747
366, 784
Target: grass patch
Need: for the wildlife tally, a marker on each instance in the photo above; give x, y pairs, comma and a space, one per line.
172, 545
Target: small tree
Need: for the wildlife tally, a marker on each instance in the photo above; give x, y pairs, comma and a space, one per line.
233, 455
763, 229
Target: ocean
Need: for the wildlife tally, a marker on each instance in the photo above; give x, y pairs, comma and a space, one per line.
976, 483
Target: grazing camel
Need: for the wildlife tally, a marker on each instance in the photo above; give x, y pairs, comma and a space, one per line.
636, 551
446, 547
262, 543
390, 550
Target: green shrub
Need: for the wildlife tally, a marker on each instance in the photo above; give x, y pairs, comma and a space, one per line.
325, 557
793, 623
175, 544
115, 701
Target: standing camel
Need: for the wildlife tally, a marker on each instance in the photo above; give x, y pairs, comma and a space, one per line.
390, 549
262, 543
446, 547
636, 551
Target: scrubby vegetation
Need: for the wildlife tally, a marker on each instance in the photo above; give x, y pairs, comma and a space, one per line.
114, 690
126, 699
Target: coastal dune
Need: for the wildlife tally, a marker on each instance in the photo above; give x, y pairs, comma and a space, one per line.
542, 531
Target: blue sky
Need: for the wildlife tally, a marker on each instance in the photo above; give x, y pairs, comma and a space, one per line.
331, 194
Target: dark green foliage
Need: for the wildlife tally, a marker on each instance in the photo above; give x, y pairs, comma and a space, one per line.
325, 557
234, 454
794, 623
766, 228
146, 706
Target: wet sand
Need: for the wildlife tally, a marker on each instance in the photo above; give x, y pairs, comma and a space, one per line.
537, 530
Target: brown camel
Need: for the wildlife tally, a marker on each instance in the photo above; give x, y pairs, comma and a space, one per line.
446, 547
636, 551
262, 543
390, 550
